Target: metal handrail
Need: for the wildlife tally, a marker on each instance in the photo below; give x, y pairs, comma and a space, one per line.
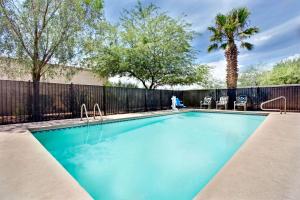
99, 111
275, 99
83, 108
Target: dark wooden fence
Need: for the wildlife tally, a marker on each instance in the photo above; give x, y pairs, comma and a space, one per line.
62, 101
256, 95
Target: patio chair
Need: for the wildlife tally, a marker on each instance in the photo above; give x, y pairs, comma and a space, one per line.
206, 102
241, 101
222, 102
179, 103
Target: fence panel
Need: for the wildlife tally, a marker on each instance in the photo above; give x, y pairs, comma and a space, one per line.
166, 96
136, 100
14, 102
153, 100
116, 100
54, 101
256, 96
253, 98
83, 94
292, 94
61, 101
191, 98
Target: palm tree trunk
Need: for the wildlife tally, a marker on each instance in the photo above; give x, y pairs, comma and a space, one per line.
231, 54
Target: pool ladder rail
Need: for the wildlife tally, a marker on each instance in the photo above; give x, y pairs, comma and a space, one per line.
99, 111
275, 99
83, 109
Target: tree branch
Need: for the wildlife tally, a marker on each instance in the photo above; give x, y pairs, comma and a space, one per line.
140, 79
46, 21
51, 51
15, 29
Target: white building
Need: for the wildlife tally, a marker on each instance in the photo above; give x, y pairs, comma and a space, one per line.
11, 69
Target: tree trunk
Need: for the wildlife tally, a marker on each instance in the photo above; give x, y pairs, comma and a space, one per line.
231, 54
36, 112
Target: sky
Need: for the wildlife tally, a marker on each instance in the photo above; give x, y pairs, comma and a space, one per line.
278, 20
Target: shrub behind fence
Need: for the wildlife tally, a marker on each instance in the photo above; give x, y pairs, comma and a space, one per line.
62, 101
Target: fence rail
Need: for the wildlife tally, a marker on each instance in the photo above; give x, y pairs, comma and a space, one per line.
62, 101
256, 96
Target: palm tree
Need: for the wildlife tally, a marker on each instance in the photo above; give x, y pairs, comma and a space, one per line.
229, 30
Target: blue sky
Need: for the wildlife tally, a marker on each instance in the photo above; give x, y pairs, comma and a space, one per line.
278, 20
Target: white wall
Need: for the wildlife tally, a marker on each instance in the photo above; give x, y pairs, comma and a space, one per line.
82, 76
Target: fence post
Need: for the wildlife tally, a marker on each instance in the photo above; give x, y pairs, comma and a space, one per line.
71, 100
104, 100
161, 107
258, 101
145, 109
216, 95
127, 100
29, 102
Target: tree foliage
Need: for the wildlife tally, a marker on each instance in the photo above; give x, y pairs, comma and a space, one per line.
284, 72
229, 30
251, 77
149, 46
121, 84
39, 32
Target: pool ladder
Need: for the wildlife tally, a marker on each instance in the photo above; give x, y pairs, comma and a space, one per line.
275, 99
99, 111
96, 106
83, 109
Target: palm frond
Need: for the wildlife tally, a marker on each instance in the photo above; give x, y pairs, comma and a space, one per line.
247, 45
230, 28
249, 32
217, 34
242, 15
212, 29
221, 20
216, 38
212, 47
223, 46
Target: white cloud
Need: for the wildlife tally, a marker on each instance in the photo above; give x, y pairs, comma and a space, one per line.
200, 13
260, 39
295, 56
265, 36
269, 57
218, 69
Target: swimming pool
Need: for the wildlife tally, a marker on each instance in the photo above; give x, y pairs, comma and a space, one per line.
165, 157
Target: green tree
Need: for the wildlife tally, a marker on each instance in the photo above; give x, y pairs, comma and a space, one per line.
229, 29
251, 77
121, 84
149, 46
39, 32
284, 72
213, 83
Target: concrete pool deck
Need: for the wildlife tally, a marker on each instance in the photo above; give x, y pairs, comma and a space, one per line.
267, 166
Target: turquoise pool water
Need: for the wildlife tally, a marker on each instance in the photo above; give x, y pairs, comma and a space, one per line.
166, 157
